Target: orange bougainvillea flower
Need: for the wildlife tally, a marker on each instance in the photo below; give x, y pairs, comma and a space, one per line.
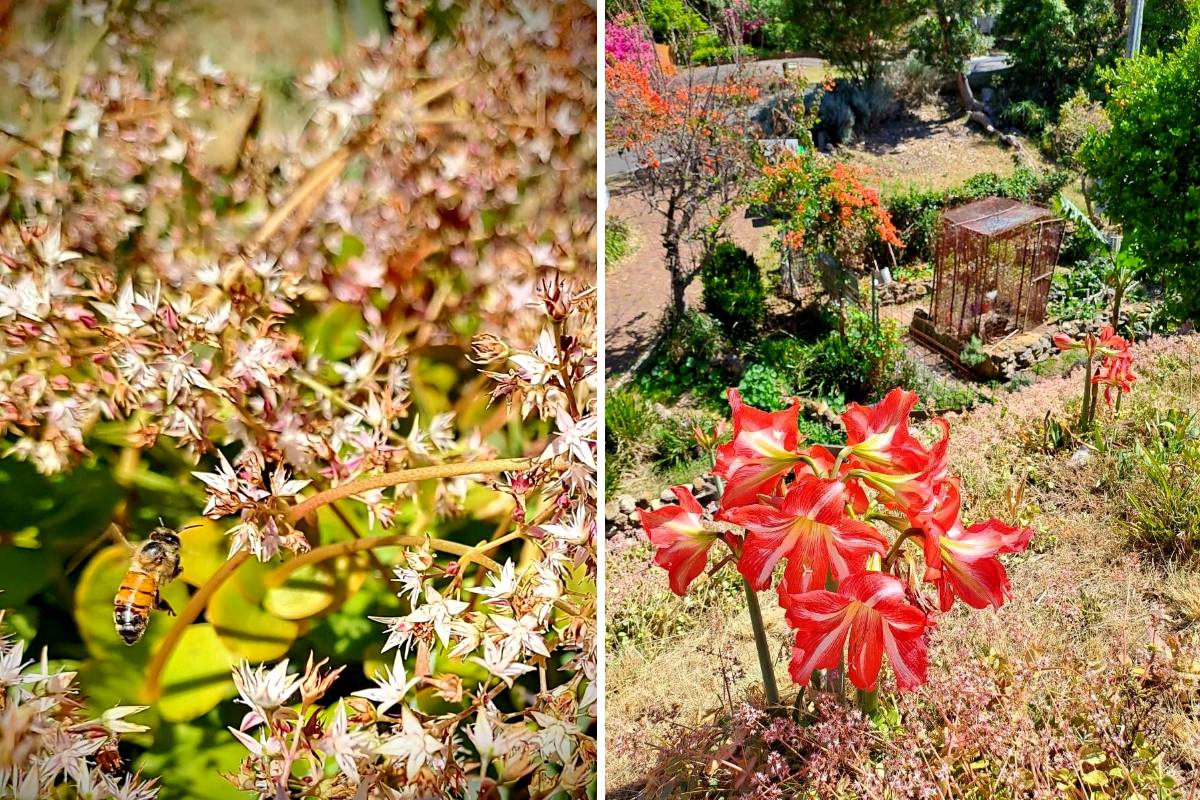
680, 540
870, 609
762, 451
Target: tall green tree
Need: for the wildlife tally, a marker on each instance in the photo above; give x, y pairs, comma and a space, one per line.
857, 36
1059, 45
947, 37
1147, 165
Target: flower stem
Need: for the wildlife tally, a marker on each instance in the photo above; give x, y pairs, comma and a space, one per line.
868, 701
200, 599
1084, 420
280, 574
311, 504
770, 689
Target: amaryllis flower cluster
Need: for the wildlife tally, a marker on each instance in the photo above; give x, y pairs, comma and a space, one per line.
50, 744
1116, 359
870, 539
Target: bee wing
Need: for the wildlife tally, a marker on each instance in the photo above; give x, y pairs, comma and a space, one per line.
112, 532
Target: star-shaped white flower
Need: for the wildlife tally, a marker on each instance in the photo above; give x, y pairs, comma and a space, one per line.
393, 685
413, 745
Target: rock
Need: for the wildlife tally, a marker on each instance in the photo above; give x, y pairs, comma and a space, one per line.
1080, 458
643, 502
611, 510
656, 504
699, 484
668, 496
621, 521
625, 504
898, 149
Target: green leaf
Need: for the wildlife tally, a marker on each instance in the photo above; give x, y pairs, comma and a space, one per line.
197, 676
316, 589
245, 629
203, 550
25, 573
333, 334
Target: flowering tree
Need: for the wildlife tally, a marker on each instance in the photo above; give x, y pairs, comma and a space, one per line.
692, 150
626, 40
872, 540
824, 206
283, 342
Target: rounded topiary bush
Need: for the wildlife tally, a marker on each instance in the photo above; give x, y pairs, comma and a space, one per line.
733, 291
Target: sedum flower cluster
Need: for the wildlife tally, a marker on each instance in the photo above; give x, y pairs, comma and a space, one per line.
155, 275
48, 743
530, 627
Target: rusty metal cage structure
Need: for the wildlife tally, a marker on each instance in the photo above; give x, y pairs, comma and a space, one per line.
994, 261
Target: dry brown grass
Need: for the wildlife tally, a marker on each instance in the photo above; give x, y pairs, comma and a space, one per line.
1082, 596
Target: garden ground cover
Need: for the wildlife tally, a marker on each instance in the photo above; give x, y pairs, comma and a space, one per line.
1090, 608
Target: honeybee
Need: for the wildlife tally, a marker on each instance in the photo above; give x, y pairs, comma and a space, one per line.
154, 564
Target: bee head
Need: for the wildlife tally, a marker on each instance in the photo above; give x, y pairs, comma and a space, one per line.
165, 535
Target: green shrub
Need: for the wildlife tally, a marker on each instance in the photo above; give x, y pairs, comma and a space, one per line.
673, 20
733, 291
1147, 166
708, 48
628, 419
819, 432
1031, 117
783, 353
1078, 118
684, 362
1057, 47
764, 387
616, 240
859, 366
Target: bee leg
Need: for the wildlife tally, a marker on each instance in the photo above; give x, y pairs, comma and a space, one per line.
163, 605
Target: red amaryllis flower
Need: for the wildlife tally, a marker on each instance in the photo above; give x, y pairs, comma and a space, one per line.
1106, 343
878, 435
962, 561
680, 540
809, 527
871, 608
760, 454
1116, 372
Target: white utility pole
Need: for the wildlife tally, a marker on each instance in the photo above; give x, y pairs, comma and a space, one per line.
1134, 42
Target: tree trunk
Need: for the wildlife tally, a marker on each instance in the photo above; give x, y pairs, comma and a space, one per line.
679, 281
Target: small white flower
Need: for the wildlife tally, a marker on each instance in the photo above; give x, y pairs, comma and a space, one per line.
576, 531
501, 661
344, 745
113, 720
263, 690
392, 686
413, 745
556, 737
522, 633
503, 584
438, 611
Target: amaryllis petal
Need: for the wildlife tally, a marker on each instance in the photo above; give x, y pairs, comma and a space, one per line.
681, 542
961, 561
871, 610
761, 452
878, 435
808, 525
